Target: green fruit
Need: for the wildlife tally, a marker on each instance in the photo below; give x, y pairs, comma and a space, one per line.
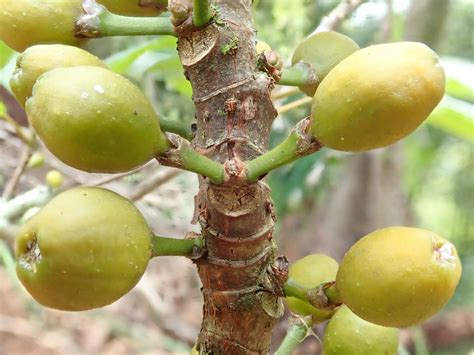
309, 272
54, 179
37, 60
94, 120
132, 8
261, 47
347, 334
85, 249
323, 50
24, 23
377, 96
36, 160
398, 277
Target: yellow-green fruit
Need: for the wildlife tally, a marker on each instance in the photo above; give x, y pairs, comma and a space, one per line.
323, 50
39, 59
36, 160
261, 47
309, 272
85, 249
347, 334
194, 351
377, 96
94, 120
24, 23
132, 8
54, 179
398, 277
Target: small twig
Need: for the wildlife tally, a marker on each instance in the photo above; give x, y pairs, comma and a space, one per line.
337, 15
109, 179
150, 184
284, 93
294, 104
15, 178
18, 130
298, 330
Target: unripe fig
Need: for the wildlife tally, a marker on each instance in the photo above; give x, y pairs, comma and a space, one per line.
94, 120
323, 50
132, 8
85, 249
347, 334
54, 179
398, 277
39, 59
261, 47
309, 272
24, 23
377, 96
36, 160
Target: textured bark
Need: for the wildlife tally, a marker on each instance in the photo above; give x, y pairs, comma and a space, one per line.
234, 114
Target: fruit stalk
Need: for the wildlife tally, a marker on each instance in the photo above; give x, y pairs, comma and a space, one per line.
182, 155
202, 12
162, 246
99, 22
298, 330
298, 75
297, 144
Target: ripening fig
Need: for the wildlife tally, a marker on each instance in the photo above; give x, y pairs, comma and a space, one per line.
377, 96
132, 7
323, 50
398, 277
85, 249
94, 120
309, 272
39, 59
347, 334
261, 47
54, 179
24, 23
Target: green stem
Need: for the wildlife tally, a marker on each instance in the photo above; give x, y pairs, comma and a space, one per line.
282, 154
202, 165
116, 25
202, 12
162, 246
293, 290
332, 297
297, 332
298, 143
180, 154
332, 294
298, 75
177, 127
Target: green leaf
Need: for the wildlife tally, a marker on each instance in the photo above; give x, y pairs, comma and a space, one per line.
120, 62
459, 90
5, 54
455, 117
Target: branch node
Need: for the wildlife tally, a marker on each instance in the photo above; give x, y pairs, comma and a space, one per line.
319, 299
88, 24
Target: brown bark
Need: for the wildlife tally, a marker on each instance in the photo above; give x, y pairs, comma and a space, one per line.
234, 114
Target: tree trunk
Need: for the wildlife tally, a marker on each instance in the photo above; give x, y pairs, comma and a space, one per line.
234, 114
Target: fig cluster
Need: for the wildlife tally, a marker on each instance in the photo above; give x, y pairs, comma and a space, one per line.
88, 116
392, 278
372, 97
